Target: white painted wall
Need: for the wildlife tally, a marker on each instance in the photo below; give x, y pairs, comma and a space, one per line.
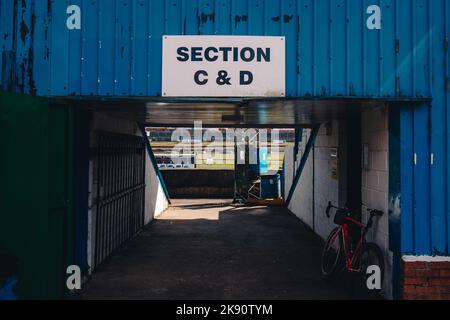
315, 193
302, 200
288, 169
311, 197
326, 188
155, 200
375, 183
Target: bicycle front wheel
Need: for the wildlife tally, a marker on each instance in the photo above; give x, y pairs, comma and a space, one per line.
332, 252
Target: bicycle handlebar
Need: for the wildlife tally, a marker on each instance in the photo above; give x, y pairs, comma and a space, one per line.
373, 212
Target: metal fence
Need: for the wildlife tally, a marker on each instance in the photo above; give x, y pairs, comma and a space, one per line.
120, 189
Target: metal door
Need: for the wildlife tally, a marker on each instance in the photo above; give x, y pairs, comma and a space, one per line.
120, 189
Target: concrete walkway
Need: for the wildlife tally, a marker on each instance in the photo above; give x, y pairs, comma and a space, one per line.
207, 249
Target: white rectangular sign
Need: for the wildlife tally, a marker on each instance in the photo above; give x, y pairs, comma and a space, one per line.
223, 66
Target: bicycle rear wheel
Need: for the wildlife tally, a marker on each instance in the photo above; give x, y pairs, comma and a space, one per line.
372, 256
332, 252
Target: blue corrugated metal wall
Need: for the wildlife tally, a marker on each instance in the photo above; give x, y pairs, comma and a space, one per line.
330, 52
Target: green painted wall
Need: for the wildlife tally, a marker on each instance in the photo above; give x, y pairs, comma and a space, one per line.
35, 215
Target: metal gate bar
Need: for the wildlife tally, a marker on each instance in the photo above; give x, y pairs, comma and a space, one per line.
120, 191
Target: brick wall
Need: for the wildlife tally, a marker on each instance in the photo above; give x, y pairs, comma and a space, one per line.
426, 278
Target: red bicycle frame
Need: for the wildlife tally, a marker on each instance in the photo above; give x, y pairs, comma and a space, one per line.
351, 257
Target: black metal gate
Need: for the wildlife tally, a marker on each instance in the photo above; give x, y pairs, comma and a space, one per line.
120, 191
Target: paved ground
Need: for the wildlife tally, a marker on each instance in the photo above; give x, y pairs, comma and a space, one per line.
211, 250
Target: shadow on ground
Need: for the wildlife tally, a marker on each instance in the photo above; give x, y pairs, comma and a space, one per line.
220, 252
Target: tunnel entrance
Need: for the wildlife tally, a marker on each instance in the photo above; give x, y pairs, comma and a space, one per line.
193, 167
245, 165
328, 150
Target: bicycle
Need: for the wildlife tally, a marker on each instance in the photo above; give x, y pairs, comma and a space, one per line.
340, 252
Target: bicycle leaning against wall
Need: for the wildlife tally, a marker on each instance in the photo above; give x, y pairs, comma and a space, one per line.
343, 253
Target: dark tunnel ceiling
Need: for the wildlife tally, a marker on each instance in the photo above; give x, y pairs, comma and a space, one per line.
229, 112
